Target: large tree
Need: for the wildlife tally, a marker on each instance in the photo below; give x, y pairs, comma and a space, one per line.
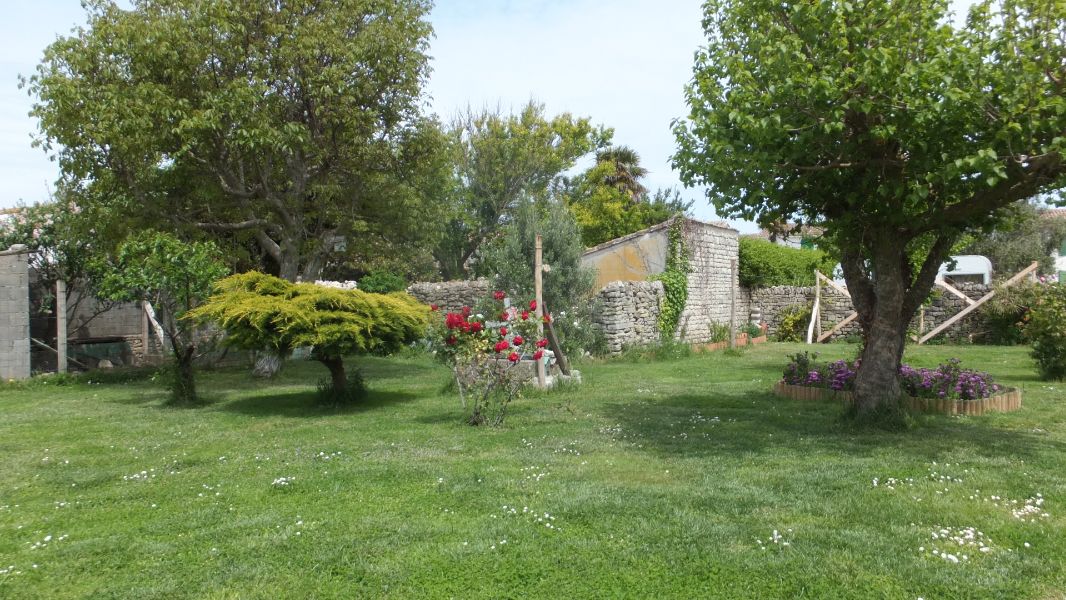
886, 125
501, 161
292, 123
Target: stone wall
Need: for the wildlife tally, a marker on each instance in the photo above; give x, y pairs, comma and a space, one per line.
773, 302
629, 313
711, 248
451, 295
14, 314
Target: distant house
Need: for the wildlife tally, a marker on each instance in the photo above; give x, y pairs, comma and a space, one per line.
1060, 254
790, 235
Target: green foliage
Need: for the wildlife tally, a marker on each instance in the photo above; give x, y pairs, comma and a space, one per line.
1046, 331
765, 264
609, 201
751, 329
719, 332
664, 350
1003, 319
567, 284
175, 277
1024, 236
260, 311
794, 322
500, 164
382, 282
675, 281
882, 123
286, 126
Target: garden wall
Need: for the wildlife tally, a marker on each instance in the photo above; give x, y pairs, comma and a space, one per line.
711, 249
14, 314
629, 313
773, 302
451, 296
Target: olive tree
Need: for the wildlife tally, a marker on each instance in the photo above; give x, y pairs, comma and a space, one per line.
884, 124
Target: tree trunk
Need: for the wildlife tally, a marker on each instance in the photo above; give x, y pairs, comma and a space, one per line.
183, 387
879, 293
338, 379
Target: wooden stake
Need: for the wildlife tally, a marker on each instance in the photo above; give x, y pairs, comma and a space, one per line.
61, 326
733, 303
538, 287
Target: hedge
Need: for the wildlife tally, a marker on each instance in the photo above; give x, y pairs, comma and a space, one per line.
766, 264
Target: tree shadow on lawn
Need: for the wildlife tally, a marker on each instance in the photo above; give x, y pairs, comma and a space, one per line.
760, 423
305, 404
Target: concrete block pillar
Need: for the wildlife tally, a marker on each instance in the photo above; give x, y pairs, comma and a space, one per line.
14, 313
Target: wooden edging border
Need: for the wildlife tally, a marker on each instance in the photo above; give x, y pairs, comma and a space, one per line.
1006, 401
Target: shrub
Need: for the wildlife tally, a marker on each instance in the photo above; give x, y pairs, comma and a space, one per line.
382, 282
568, 286
793, 325
1046, 331
766, 264
719, 331
948, 380
484, 351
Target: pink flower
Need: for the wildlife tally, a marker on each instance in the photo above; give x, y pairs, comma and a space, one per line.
503, 331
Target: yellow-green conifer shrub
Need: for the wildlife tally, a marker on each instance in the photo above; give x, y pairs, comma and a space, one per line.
259, 311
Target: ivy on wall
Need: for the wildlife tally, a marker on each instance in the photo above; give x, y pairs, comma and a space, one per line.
675, 280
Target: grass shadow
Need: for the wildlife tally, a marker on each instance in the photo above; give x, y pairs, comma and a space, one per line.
305, 404
759, 423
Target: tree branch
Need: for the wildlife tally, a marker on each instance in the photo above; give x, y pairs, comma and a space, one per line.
242, 225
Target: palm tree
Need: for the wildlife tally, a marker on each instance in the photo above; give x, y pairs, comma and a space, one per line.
627, 170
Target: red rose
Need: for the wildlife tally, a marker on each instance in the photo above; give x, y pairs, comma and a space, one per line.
547, 318
538, 355
542, 343
525, 315
513, 357
502, 345
476, 327
504, 316
453, 320
499, 295
466, 311
532, 305
451, 341
434, 307
517, 341
503, 331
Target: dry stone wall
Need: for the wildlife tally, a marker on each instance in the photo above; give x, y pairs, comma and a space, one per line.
775, 301
710, 285
629, 314
451, 295
14, 314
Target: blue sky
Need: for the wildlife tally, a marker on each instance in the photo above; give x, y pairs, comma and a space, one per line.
624, 63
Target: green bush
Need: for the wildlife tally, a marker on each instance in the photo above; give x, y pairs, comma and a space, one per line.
1046, 331
794, 321
766, 264
382, 282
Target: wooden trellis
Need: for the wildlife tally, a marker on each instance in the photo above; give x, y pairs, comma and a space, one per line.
815, 326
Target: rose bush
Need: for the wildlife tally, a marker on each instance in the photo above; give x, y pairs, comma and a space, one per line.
484, 356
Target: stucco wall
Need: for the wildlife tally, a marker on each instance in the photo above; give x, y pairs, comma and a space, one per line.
630, 258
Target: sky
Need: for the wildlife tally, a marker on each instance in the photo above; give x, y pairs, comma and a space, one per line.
623, 63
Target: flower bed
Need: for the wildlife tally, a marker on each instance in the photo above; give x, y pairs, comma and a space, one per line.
948, 389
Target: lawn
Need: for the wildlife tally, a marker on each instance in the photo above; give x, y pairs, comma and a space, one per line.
662, 479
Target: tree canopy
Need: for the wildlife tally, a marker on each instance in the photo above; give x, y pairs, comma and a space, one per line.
500, 162
884, 124
292, 124
260, 311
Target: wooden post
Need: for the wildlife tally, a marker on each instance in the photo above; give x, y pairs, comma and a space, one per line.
61, 326
816, 310
733, 303
538, 286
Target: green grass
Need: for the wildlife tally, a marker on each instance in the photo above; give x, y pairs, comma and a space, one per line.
659, 478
